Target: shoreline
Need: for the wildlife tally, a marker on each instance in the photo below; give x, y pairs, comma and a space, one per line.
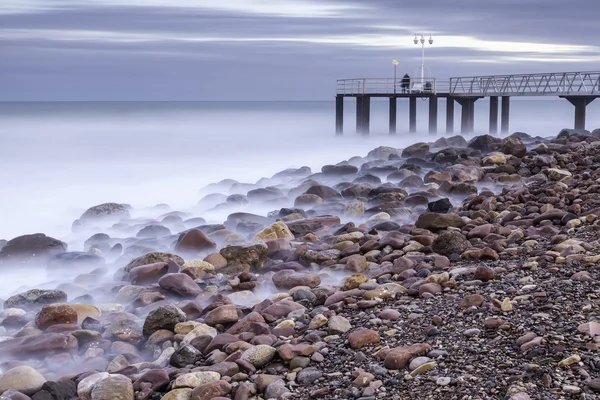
422, 269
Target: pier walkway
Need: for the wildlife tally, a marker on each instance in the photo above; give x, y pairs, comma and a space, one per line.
579, 88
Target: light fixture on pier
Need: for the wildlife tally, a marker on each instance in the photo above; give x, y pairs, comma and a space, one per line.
420, 38
395, 62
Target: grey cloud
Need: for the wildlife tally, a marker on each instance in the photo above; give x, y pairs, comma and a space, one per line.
39, 62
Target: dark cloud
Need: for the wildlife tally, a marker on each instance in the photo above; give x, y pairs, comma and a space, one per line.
104, 52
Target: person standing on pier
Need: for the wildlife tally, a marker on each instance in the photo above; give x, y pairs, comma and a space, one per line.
405, 83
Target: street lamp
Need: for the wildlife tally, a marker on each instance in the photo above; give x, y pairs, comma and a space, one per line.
421, 40
395, 62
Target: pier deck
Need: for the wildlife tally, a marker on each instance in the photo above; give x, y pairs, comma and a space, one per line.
579, 88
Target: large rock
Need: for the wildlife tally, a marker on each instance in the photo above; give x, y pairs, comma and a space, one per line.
180, 284
221, 315
145, 274
449, 243
23, 379
513, 146
52, 314
114, 387
400, 357
253, 255
35, 248
416, 150
288, 279
165, 317
278, 230
194, 240
152, 258
324, 192
485, 143
39, 346
104, 211
60, 390
437, 222
35, 299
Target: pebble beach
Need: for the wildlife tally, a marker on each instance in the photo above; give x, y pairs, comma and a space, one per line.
463, 268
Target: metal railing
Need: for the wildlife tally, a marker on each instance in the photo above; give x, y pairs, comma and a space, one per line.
546, 84
374, 86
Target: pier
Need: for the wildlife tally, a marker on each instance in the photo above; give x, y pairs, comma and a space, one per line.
579, 88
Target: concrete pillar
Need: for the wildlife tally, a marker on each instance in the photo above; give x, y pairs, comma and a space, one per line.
433, 114
412, 114
467, 120
505, 114
449, 114
493, 115
359, 114
339, 115
366, 115
393, 112
580, 103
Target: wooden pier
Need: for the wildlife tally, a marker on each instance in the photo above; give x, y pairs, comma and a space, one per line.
579, 88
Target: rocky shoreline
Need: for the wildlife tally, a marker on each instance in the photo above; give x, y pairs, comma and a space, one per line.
445, 270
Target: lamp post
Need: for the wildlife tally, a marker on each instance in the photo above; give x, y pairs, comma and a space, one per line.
395, 62
421, 40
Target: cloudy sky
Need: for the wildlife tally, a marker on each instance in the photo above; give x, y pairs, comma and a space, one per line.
275, 49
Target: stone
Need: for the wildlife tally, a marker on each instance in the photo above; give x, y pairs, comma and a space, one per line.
415, 150
513, 146
278, 230
114, 387
165, 317
222, 315
30, 249
194, 240
356, 263
276, 390
212, 390
441, 206
114, 211
354, 281
185, 355
85, 386
34, 299
556, 174
363, 337
52, 314
253, 255
23, 379
180, 284
436, 222
154, 257
308, 376
400, 357
449, 243
150, 273
259, 356
338, 324
178, 394
484, 273
195, 379
289, 279
199, 330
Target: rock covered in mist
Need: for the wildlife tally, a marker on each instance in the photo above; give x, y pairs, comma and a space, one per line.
23, 379
34, 248
106, 210
35, 298
75, 259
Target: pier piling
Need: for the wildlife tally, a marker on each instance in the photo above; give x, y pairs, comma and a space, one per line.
449, 114
433, 114
580, 103
393, 112
493, 115
339, 115
412, 114
505, 114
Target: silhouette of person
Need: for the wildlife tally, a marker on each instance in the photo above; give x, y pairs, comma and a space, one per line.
405, 83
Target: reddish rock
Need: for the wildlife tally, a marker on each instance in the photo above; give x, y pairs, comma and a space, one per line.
364, 337
282, 308
39, 346
211, 390
356, 263
52, 314
222, 315
472, 300
217, 260
180, 284
484, 273
431, 288
244, 324
288, 279
149, 273
194, 240
400, 357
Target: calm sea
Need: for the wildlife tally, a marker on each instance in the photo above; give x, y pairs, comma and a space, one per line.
57, 159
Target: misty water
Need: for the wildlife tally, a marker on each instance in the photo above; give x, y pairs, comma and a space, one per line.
58, 159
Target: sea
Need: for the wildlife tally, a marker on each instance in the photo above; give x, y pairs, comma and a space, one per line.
59, 158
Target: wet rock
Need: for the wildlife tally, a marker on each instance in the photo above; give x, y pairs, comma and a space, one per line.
145, 274
259, 355
74, 260
195, 379
449, 243
113, 387
222, 315
253, 255
23, 379
400, 357
441, 206
211, 390
278, 230
180, 284
363, 337
288, 279
165, 317
31, 249
436, 222
513, 146
35, 298
52, 314
194, 240
113, 211
152, 258
415, 150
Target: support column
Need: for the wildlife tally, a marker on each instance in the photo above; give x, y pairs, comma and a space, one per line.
412, 114
449, 114
467, 120
580, 103
366, 115
433, 114
359, 114
339, 115
393, 112
493, 115
505, 114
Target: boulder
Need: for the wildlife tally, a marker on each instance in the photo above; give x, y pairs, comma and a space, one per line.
52, 314
180, 284
415, 150
194, 240
278, 230
106, 211
449, 243
253, 255
436, 222
23, 379
222, 315
152, 258
288, 278
35, 248
34, 299
113, 387
513, 146
165, 317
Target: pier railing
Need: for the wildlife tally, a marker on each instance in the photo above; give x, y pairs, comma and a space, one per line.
375, 86
546, 84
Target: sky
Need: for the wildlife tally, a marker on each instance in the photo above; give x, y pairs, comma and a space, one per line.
276, 49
